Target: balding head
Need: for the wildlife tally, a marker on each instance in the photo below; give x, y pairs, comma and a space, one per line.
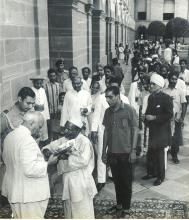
34, 122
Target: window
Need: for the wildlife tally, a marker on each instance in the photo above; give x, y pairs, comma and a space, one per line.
168, 16
141, 15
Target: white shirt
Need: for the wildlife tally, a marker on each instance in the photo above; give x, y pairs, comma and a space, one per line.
168, 55
133, 96
185, 76
181, 86
178, 99
41, 99
26, 178
73, 102
100, 108
88, 83
67, 85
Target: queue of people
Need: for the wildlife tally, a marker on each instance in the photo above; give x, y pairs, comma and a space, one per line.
79, 123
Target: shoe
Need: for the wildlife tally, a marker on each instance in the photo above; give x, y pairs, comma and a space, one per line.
114, 208
176, 160
100, 186
147, 177
158, 182
126, 213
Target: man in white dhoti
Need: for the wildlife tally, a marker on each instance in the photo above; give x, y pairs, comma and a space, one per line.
76, 166
26, 183
77, 103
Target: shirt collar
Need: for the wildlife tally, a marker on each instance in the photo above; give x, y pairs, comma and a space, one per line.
121, 106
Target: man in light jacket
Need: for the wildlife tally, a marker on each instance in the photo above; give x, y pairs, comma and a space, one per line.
26, 183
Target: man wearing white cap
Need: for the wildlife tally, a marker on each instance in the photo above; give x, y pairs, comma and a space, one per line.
158, 117
76, 165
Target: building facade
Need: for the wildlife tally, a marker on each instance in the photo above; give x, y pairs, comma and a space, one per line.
34, 34
147, 11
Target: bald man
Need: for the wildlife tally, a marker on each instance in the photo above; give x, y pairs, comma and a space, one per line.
26, 183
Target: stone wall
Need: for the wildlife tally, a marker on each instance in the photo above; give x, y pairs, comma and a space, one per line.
24, 49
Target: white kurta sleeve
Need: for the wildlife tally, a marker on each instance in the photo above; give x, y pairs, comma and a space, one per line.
65, 111
79, 160
89, 104
46, 107
132, 95
96, 115
33, 163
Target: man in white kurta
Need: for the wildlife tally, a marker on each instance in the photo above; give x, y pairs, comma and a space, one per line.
26, 183
77, 104
78, 184
67, 85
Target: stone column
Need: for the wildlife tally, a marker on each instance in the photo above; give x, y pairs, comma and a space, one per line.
117, 32
88, 10
98, 37
109, 21
60, 30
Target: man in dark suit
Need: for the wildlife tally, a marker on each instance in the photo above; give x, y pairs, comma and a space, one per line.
158, 117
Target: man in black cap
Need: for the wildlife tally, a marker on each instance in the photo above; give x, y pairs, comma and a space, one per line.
61, 73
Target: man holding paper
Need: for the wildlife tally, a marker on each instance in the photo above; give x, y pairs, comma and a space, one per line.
76, 163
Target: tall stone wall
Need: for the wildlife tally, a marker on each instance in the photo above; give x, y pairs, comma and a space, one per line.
24, 49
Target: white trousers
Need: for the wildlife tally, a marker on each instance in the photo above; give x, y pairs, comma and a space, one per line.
101, 167
30, 210
83, 209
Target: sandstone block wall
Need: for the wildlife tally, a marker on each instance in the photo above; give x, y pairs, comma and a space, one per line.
24, 49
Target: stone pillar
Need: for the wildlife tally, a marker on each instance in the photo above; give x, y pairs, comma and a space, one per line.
88, 10
60, 30
122, 33
117, 32
98, 37
109, 21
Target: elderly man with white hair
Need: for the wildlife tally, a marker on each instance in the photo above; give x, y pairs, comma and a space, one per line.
158, 117
26, 183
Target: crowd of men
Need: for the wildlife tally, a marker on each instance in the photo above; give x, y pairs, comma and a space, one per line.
83, 124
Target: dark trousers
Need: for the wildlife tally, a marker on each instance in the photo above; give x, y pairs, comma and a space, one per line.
121, 168
156, 162
177, 139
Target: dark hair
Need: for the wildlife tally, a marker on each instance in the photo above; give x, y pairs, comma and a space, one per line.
109, 67
183, 60
114, 79
114, 61
72, 68
173, 73
61, 94
95, 82
26, 91
86, 67
58, 62
51, 70
114, 89
165, 66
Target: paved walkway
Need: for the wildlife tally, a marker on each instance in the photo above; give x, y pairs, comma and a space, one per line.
176, 184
